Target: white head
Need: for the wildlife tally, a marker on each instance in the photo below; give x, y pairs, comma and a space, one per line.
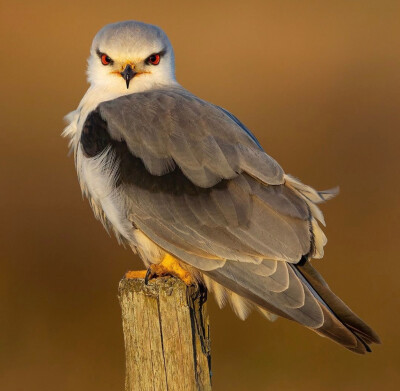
128, 57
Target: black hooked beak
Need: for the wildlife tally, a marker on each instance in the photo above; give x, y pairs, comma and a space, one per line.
128, 74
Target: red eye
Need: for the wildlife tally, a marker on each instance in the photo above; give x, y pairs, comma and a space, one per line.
154, 59
105, 60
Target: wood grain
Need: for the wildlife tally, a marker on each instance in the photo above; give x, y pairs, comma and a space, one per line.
166, 332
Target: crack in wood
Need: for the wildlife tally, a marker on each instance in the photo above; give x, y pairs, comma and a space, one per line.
178, 357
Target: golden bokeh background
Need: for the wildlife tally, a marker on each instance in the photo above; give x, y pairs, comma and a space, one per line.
318, 82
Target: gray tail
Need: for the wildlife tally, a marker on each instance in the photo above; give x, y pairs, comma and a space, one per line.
364, 333
298, 293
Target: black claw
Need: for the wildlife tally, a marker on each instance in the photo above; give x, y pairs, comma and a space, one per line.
147, 277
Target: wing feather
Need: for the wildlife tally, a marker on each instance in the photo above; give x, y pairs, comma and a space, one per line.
196, 182
201, 139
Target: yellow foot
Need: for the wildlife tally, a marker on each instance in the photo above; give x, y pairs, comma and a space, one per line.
169, 266
136, 274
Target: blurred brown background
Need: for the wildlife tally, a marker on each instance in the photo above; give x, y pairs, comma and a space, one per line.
319, 84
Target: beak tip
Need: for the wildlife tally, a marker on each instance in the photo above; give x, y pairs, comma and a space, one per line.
128, 74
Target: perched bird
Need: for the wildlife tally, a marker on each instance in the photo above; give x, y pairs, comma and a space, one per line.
189, 188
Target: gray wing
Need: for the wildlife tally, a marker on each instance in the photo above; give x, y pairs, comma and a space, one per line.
171, 128
239, 219
197, 184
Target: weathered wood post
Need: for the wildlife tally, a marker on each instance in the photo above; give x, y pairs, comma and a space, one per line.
166, 332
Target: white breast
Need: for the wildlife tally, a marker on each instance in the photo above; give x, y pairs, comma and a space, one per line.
97, 175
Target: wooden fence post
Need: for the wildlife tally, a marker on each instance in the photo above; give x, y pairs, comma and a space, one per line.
166, 332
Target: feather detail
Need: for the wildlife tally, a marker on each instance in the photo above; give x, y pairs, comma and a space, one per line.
312, 198
240, 306
218, 290
269, 315
320, 239
308, 192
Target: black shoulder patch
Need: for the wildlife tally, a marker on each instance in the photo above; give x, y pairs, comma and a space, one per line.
95, 137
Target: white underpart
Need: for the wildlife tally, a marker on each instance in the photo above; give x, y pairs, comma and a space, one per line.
240, 306
146, 248
99, 174
269, 315
219, 291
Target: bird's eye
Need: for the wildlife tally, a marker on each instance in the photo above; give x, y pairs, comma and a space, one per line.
105, 60
154, 59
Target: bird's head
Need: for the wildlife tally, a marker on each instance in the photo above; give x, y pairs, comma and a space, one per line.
128, 57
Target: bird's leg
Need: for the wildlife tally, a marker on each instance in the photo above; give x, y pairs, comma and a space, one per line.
136, 274
169, 266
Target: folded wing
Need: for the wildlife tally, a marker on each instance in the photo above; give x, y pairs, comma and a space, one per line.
195, 181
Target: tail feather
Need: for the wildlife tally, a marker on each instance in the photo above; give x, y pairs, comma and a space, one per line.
321, 310
338, 307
